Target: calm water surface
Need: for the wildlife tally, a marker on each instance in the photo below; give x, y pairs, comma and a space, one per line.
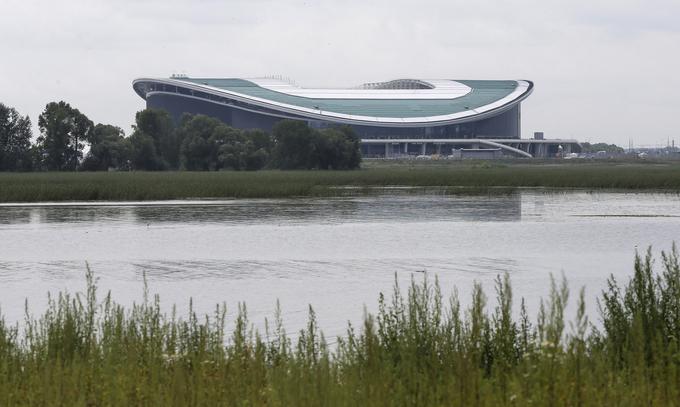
336, 254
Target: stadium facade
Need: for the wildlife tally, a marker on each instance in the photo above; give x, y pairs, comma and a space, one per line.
403, 117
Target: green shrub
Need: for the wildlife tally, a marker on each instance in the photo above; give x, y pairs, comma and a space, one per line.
417, 350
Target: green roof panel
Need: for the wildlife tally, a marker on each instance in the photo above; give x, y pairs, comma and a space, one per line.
484, 92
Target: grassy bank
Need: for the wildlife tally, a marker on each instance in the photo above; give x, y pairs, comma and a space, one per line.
420, 349
37, 187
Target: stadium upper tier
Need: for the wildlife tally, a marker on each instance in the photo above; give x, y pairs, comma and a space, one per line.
397, 103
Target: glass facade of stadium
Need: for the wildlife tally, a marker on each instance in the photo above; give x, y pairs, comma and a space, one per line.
492, 136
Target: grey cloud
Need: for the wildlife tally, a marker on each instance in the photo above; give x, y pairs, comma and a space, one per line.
590, 60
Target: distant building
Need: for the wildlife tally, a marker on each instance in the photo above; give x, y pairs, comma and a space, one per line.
398, 118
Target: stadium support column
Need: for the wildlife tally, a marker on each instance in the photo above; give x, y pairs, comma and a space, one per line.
423, 149
387, 150
540, 151
519, 120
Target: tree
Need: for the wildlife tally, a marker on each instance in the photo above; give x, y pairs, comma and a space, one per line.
15, 140
293, 145
297, 146
247, 150
353, 148
144, 155
198, 151
594, 148
337, 149
231, 148
258, 146
63, 132
109, 149
207, 144
155, 125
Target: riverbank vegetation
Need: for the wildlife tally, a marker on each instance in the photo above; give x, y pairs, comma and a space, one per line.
69, 141
449, 178
419, 349
202, 143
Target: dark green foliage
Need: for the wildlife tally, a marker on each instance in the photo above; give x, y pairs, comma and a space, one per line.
352, 147
595, 147
257, 150
418, 350
247, 150
109, 149
15, 140
294, 145
337, 149
144, 155
297, 146
154, 141
64, 131
208, 145
644, 318
200, 142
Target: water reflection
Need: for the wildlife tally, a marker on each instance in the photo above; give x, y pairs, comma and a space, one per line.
64, 214
358, 209
405, 208
10, 215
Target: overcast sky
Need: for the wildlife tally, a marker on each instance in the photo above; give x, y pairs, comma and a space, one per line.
604, 70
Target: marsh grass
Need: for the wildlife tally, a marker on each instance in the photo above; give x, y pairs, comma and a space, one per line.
133, 186
419, 349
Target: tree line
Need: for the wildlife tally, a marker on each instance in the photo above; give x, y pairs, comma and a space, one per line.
70, 141
595, 147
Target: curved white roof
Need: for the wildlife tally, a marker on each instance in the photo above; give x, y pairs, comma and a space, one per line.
399, 103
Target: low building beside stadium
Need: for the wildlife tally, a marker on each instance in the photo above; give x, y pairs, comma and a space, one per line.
398, 118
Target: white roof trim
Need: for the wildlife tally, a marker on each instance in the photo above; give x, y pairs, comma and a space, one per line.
442, 89
522, 91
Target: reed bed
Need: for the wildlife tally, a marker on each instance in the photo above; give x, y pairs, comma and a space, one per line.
133, 186
419, 349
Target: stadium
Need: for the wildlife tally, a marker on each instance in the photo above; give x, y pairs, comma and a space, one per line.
397, 118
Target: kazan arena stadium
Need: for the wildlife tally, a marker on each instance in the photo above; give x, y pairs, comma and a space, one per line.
398, 118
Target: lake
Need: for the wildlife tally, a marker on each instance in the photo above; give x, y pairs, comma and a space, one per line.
336, 254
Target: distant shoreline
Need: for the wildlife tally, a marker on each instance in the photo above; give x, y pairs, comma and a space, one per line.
461, 177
